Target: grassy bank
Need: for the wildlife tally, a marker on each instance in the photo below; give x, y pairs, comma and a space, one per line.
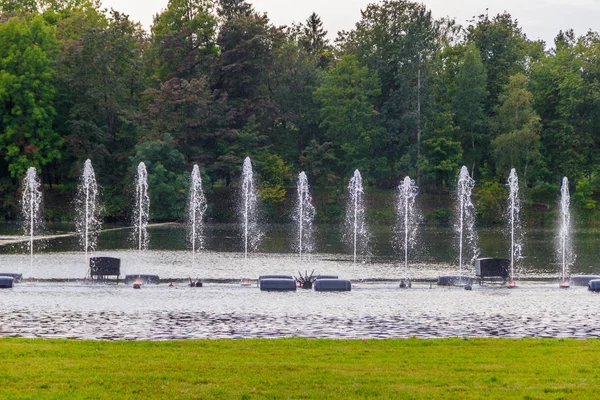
300, 368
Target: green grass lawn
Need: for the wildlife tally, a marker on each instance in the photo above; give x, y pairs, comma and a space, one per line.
301, 368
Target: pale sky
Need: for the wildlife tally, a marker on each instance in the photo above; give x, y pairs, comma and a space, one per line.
539, 19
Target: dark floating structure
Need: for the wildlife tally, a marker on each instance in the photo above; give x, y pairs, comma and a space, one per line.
142, 279
261, 277
196, 283
583, 280
454, 280
103, 267
332, 285
489, 267
17, 277
6, 282
594, 285
306, 281
277, 285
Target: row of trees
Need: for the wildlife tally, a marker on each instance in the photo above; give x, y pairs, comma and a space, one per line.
401, 94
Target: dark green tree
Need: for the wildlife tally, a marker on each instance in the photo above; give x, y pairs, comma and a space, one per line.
184, 39
350, 120
468, 106
518, 146
27, 53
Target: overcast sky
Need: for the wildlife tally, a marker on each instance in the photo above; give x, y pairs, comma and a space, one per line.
540, 19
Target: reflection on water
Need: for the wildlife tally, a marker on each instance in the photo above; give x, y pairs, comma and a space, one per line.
439, 244
375, 308
230, 311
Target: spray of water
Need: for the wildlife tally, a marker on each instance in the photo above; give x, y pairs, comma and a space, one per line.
407, 219
356, 233
304, 216
465, 220
248, 209
196, 210
565, 252
515, 229
31, 206
87, 219
141, 211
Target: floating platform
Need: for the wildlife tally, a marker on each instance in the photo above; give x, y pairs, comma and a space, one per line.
261, 277
332, 285
277, 285
582, 280
6, 282
327, 277
144, 278
454, 280
17, 277
594, 285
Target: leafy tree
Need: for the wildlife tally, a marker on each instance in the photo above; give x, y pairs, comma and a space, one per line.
320, 162
468, 105
187, 112
442, 154
184, 36
167, 178
295, 78
314, 40
503, 47
398, 39
100, 80
349, 118
519, 144
27, 137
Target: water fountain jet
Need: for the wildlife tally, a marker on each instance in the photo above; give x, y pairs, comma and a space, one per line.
407, 221
355, 232
141, 211
31, 206
465, 223
514, 226
196, 210
565, 253
249, 209
87, 221
304, 216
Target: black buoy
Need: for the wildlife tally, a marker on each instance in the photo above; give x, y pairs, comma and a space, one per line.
196, 283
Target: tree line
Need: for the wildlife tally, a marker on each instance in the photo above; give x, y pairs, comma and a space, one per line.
212, 82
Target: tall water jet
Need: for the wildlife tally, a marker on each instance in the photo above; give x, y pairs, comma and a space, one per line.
141, 211
196, 210
465, 220
513, 216
565, 253
31, 206
249, 209
407, 219
356, 233
304, 216
87, 220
